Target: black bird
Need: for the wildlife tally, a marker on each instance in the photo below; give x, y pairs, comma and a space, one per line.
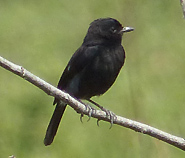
92, 69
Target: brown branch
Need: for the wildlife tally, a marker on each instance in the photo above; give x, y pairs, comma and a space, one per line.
80, 108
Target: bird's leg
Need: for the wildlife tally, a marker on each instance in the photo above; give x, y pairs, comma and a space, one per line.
101, 107
90, 110
108, 112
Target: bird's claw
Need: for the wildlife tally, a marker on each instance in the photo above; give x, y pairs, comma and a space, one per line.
98, 120
112, 119
81, 118
90, 111
110, 115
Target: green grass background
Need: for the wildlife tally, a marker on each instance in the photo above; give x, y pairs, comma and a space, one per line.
42, 36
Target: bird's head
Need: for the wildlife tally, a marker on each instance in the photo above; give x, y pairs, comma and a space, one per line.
106, 29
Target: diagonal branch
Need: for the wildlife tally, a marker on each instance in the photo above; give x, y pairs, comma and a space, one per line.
80, 108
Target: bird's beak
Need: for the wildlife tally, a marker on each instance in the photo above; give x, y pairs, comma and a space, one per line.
127, 29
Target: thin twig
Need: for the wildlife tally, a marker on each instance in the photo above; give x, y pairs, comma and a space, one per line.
80, 108
183, 7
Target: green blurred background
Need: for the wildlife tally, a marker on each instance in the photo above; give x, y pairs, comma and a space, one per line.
42, 36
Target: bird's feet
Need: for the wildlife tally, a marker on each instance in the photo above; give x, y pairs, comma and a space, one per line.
90, 111
109, 114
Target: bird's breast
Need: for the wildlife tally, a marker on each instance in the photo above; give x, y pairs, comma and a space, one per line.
109, 61
102, 72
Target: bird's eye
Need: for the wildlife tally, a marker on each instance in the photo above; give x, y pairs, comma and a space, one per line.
113, 30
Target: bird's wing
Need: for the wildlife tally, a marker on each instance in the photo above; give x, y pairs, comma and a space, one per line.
80, 59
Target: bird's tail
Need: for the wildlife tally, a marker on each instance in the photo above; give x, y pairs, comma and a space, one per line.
54, 122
